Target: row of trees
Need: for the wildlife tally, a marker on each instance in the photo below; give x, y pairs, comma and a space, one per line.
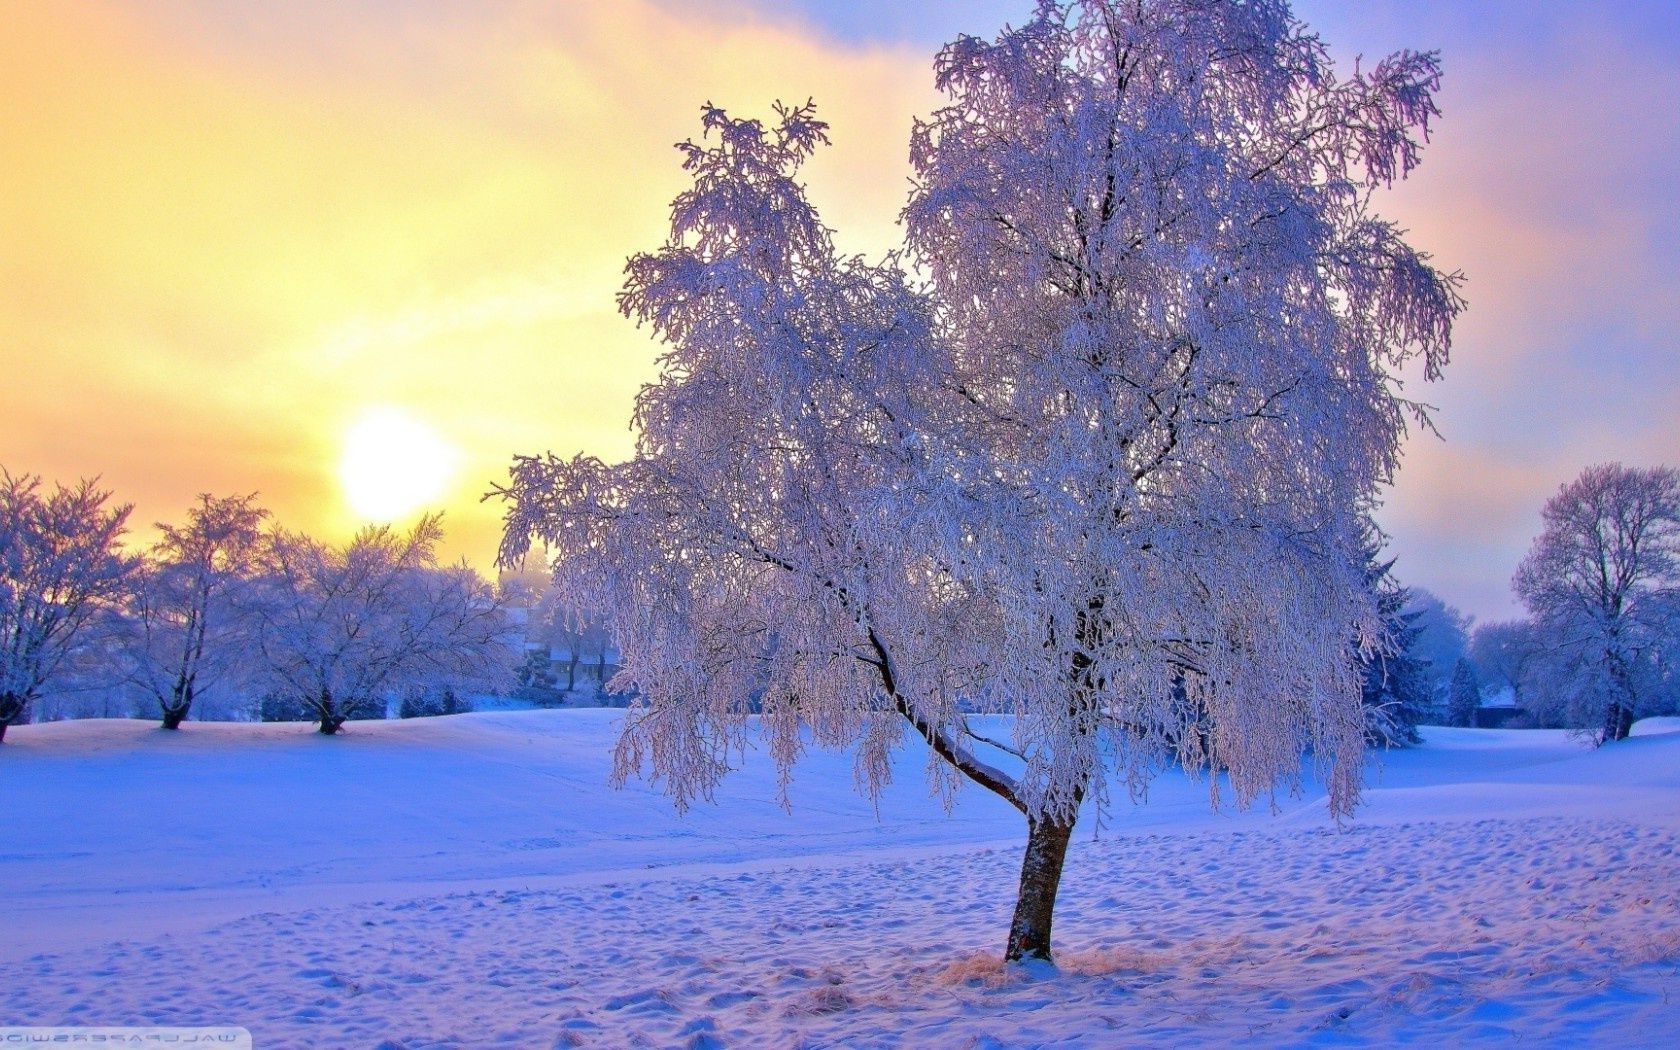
226, 609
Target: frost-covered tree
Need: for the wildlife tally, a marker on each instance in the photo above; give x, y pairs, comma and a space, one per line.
1464, 695
1602, 583
1147, 227
558, 633
343, 628
61, 567
1513, 655
1111, 470
191, 631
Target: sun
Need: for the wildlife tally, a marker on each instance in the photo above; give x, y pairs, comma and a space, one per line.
394, 464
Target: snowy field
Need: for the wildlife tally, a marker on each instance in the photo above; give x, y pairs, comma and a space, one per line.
471, 881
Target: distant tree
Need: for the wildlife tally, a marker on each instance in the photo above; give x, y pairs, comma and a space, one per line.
61, 567
1440, 638
1397, 691
1514, 655
566, 629
1464, 695
343, 628
1111, 471
522, 588
1662, 677
558, 626
536, 672
1502, 652
1602, 583
528, 595
596, 640
429, 702
190, 634
275, 706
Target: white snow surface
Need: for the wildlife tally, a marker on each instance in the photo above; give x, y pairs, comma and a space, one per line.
472, 881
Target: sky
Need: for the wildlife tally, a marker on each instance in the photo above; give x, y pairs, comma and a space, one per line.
354, 255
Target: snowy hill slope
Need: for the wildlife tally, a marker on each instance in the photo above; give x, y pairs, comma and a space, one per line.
471, 880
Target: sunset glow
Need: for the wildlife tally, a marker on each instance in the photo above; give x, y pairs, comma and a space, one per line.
911, 523
394, 465
227, 227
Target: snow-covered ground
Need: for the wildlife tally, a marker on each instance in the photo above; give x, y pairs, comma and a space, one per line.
472, 881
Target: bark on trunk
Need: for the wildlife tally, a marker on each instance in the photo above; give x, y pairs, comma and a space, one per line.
1047, 838
1618, 721
173, 717
1041, 876
330, 724
3, 724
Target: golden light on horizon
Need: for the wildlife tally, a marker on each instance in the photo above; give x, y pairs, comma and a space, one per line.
227, 234
394, 465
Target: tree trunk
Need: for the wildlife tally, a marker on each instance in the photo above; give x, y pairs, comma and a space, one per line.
330, 724
1618, 718
1618, 721
1047, 837
173, 717
1041, 876
11, 709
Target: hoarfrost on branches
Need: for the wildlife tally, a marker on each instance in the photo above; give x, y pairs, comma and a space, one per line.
190, 625
1602, 583
342, 628
1109, 467
61, 567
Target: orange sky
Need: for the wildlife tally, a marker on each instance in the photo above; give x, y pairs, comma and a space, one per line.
228, 238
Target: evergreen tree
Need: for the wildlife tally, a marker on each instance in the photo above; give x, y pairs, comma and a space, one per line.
1396, 684
1464, 696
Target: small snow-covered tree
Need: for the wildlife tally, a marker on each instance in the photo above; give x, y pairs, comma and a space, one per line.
1602, 583
1464, 695
190, 633
61, 567
342, 628
1110, 471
